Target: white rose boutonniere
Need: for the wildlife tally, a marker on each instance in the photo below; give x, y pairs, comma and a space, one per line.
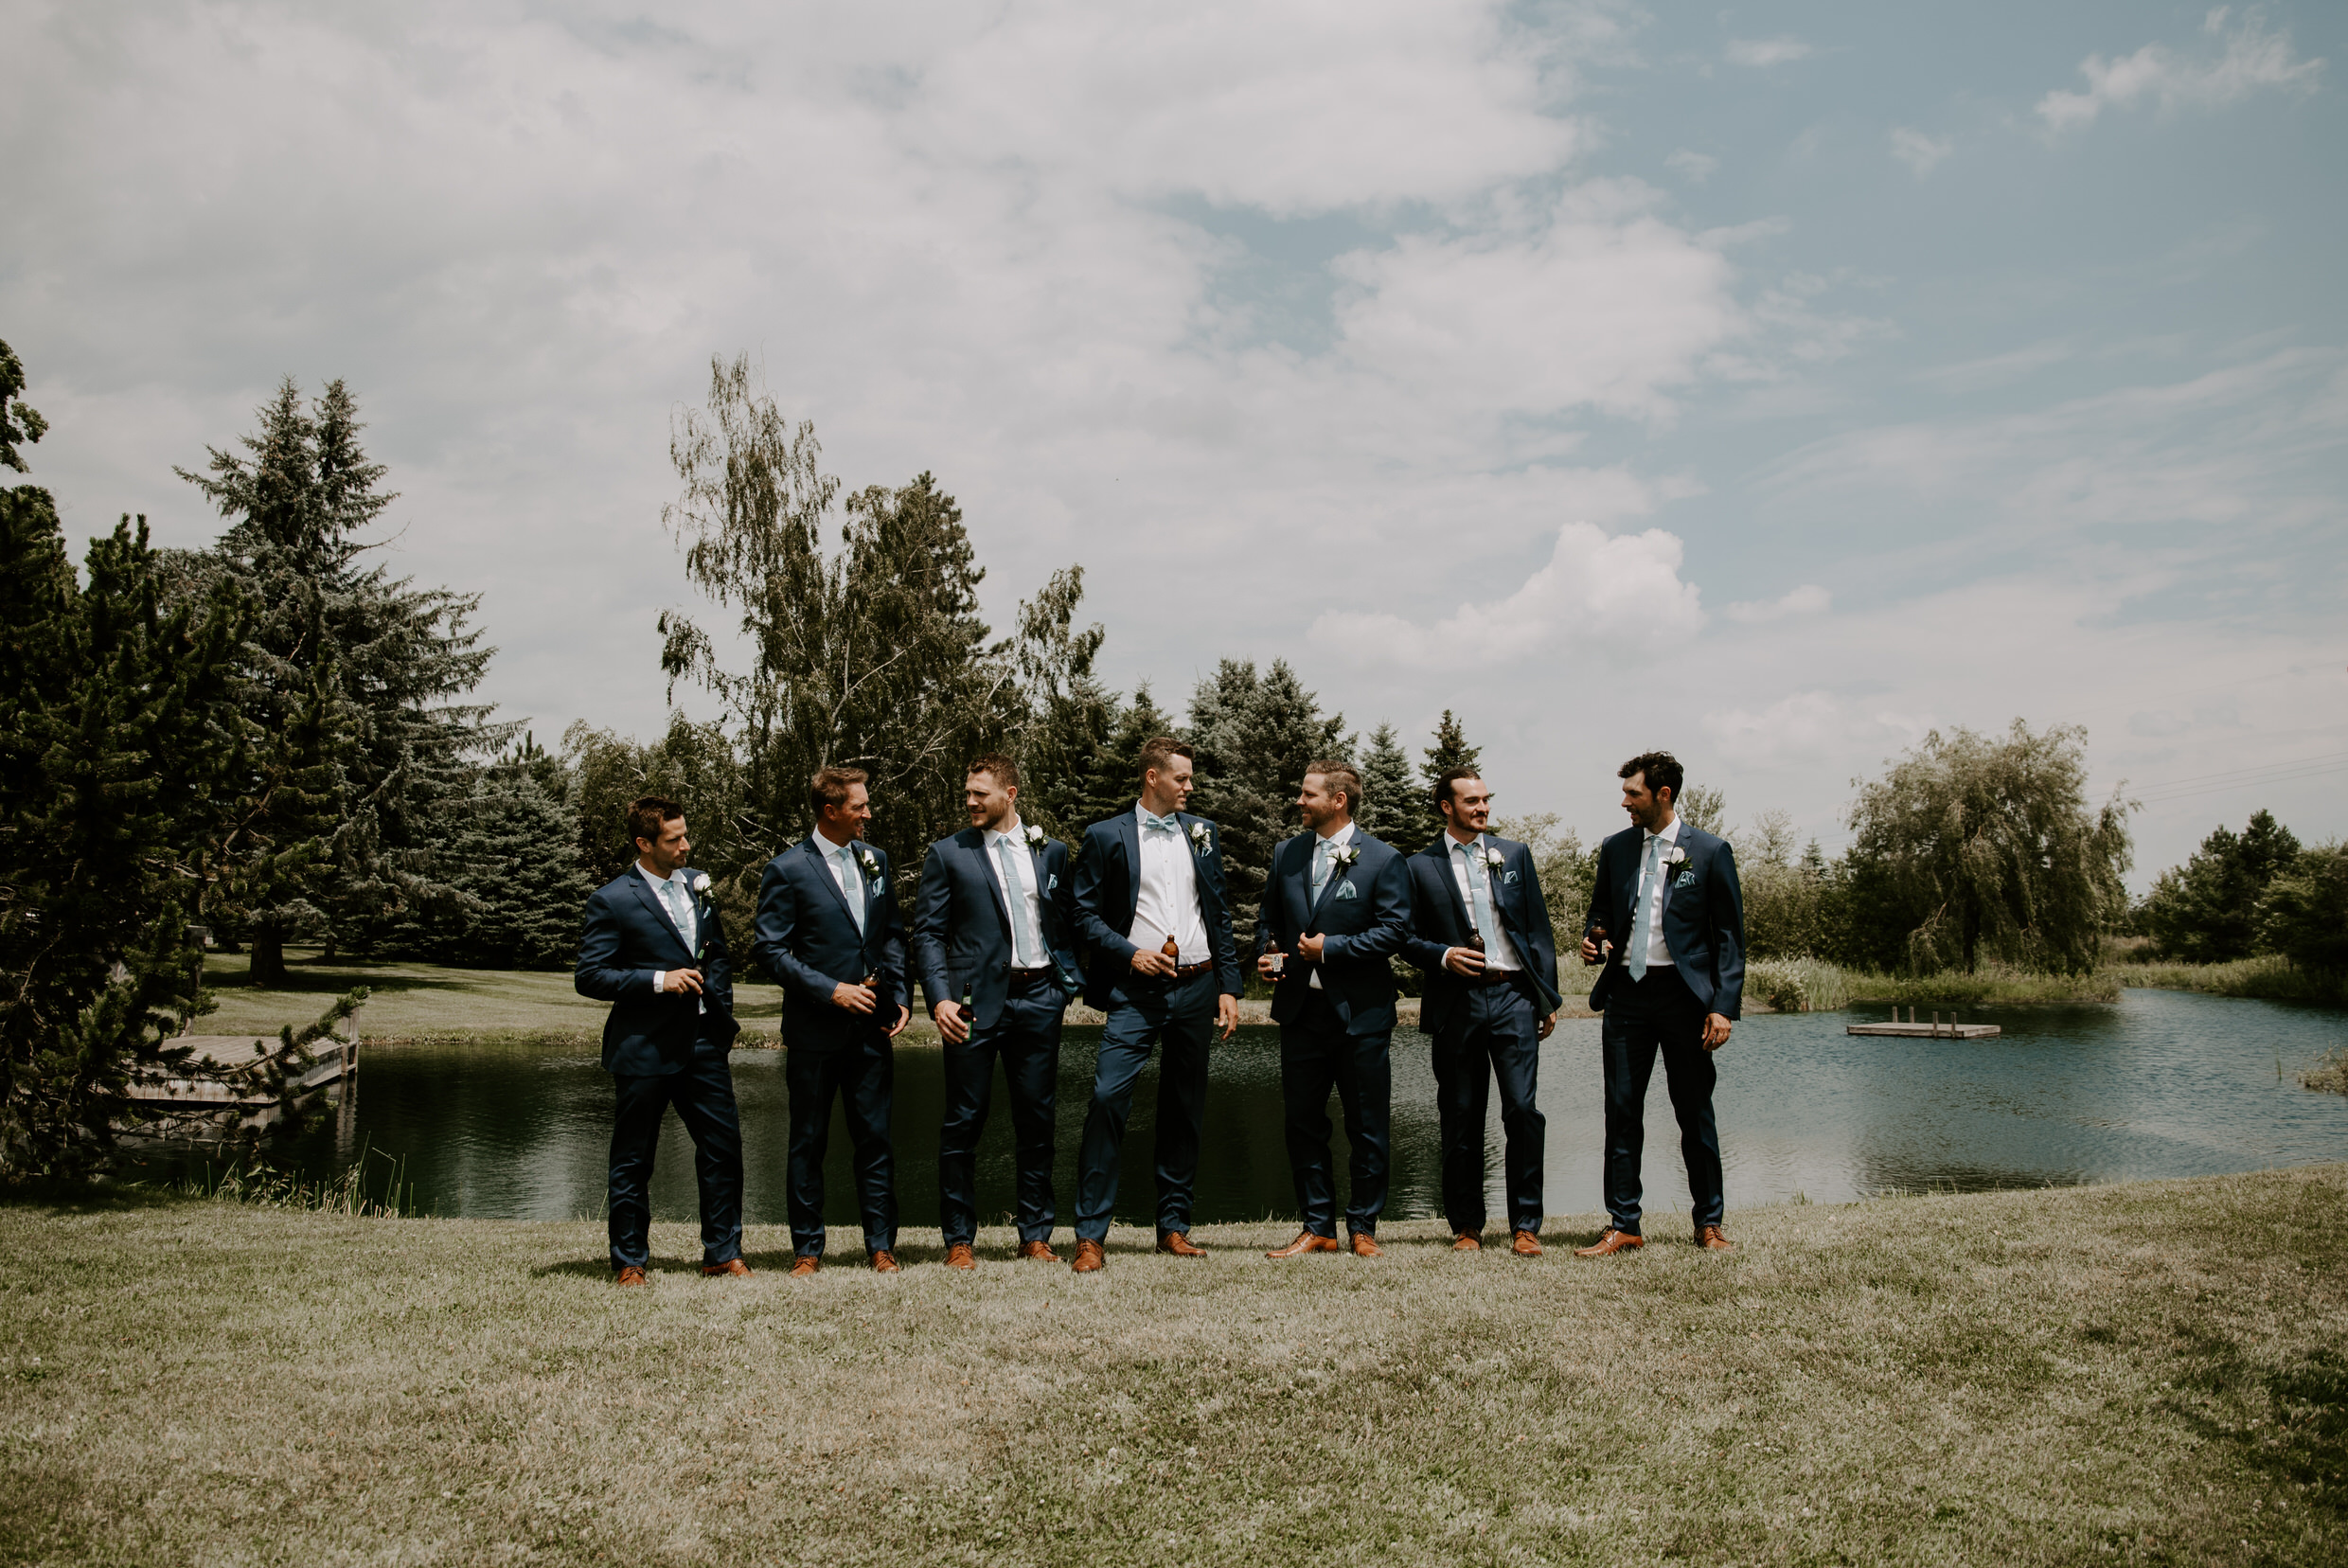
867, 862
1493, 859
1674, 855
1202, 835
1340, 859
699, 884
1033, 834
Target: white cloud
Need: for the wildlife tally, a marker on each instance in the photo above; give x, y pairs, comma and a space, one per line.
1919, 151
1763, 52
1808, 600
1691, 165
2249, 59
1612, 595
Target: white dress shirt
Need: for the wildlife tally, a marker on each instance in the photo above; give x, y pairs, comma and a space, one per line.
1468, 860
1024, 869
1650, 904
832, 858
690, 929
1335, 841
1168, 905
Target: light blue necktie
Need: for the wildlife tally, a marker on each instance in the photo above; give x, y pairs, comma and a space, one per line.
1154, 823
852, 886
674, 897
1639, 936
1026, 949
1321, 855
1479, 895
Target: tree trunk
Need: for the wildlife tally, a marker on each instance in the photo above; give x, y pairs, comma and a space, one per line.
268, 955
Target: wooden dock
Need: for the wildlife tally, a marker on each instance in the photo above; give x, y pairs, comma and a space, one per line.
1933, 1030
224, 1085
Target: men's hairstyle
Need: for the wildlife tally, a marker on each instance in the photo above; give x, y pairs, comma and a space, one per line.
645, 816
1160, 753
1004, 770
1661, 769
1339, 777
831, 786
1451, 776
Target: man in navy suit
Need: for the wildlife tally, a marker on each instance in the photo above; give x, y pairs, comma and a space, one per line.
1674, 982
1152, 909
1337, 908
652, 947
1480, 929
994, 942
828, 932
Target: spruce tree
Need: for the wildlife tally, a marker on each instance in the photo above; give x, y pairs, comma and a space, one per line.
1255, 734
1113, 780
1069, 714
1392, 801
513, 857
1450, 751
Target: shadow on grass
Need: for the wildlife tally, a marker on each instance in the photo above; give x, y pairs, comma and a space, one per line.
64, 1198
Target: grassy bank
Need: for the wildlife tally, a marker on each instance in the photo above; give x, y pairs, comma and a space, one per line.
2118, 1374
1811, 985
2271, 978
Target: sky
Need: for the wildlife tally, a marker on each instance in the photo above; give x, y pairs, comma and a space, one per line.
1773, 385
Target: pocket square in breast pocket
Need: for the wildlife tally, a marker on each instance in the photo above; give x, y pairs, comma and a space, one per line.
1345, 890
1509, 880
1687, 879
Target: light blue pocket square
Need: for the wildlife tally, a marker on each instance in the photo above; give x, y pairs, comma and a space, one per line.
1509, 880
1687, 879
1345, 890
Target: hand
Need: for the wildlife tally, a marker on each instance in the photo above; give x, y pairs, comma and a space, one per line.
1548, 1025
856, 999
1309, 949
1264, 970
904, 1016
679, 981
1463, 961
1227, 1015
950, 1023
1589, 950
1715, 1031
1153, 963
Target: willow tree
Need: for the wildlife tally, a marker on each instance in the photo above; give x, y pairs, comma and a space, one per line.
1972, 847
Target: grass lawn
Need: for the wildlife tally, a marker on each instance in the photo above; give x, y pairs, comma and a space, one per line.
2137, 1373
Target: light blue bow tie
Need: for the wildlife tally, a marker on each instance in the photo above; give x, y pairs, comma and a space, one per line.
1160, 824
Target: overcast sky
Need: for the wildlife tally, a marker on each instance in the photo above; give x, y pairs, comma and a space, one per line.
1772, 384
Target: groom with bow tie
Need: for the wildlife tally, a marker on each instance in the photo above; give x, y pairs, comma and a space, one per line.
993, 939
1337, 908
1667, 919
653, 947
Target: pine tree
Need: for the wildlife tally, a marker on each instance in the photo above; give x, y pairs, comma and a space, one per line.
513, 856
1255, 735
1112, 781
1392, 801
1451, 750
1069, 714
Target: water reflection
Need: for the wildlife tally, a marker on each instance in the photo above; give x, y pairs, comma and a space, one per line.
2162, 1084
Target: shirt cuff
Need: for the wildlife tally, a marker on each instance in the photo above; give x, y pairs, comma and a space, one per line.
658, 976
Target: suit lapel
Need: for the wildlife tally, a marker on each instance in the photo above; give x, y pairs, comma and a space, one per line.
1451, 885
651, 901
1329, 889
1130, 835
986, 865
823, 875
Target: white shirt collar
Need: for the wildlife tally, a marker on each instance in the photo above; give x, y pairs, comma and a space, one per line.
1341, 837
1476, 843
829, 847
1015, 832
1670, 834
661, 881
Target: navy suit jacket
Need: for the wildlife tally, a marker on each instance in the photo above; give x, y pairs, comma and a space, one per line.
962, 925
809, 942
1363, 914
1439, 922
626, 937
1704, 917
1108, 885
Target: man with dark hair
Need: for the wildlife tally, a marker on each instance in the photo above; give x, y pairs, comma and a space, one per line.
1667, 919
994, 942
1480, 930
652, 947
830, 933
1154, 911
1337, 908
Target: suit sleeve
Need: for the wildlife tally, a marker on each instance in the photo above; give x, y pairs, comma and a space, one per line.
932, 905
1599, 914
896, 984
717, 972
1229, 981
598, 975
1726, 910
778, 921
1542, 935
1390, 918
1419, 947
1267, 916
1091, 924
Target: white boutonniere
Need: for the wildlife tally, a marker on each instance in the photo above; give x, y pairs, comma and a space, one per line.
867, 864
1493, 859
1033, 834
1202, 835
1674, 855
699, 884
1340, 859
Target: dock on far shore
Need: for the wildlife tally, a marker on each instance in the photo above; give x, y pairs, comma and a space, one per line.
1933, 1030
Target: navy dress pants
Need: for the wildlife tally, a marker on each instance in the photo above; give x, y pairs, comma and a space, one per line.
1658, 1013
1317, 1054
1495, 1036
1026, 1039
704, 1096
1180, 1016
862, 1076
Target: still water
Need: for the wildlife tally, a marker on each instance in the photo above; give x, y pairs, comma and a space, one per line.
2162, 1084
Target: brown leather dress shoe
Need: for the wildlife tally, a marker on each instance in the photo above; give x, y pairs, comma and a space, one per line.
960, 1256
1305, 1242
1365, 1245
1464, 1242
1180, 1244
1088, 1257
1710, 1239
805, 1264
628, 1276
1610, 1242
1526, 1244
884, 1261
1039, 1250
734, 1267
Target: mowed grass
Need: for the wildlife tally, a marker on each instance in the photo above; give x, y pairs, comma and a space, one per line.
2137, 1373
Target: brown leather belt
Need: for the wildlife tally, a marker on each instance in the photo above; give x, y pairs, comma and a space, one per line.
1029, 979
1490, 978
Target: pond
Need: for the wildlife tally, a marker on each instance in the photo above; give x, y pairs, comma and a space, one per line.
2161, 1085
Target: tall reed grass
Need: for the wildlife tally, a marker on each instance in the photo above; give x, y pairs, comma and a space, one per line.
2270, 978
257, 1185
